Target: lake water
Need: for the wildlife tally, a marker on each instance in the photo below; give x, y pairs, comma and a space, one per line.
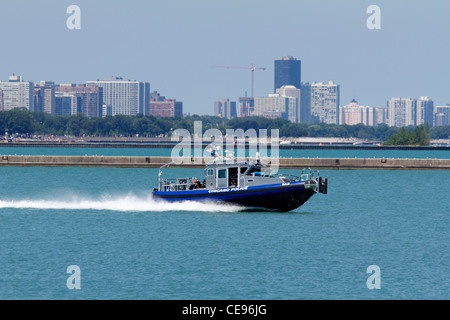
287, 153
128, 246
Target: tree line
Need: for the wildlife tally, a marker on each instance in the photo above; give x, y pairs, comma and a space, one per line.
418, 136
25, 122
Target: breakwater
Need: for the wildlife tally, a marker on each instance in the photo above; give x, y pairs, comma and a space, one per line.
285, 163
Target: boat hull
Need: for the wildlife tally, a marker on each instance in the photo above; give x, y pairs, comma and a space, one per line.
277, 197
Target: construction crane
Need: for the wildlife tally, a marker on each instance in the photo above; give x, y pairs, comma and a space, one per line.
252, 68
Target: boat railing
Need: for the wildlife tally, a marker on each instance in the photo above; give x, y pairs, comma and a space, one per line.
309, 174
177, 184
305, 175
285, 177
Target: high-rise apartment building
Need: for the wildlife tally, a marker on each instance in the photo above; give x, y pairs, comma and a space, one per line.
246, 106
128, 97
287, 73
166, 108
275, 106
380, 115
17, 93
424, 111
90, 102
353, 113
225, 109
403, 112
67, 104
162, 107
305, 102
439, 119
442, 115
44, 97
325, 102
291, 91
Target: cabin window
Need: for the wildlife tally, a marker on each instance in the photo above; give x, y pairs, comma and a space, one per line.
210, 172
222, 173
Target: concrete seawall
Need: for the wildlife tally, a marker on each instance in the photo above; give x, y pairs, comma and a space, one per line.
285, 163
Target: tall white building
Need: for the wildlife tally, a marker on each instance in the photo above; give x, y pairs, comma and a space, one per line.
401, 112
16, 93
292, 92
353, 113
424, 111
325, 102
305, 102
275, 106
128, 97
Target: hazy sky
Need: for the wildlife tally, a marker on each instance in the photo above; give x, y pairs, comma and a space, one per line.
174, 44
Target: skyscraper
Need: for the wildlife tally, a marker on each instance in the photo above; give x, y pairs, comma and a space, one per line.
305, 102
225, 109
246, 106
44, 97
424, 111
1, 100
17, 94
128, 97
401, 112
67, 104
380, 115
162, 107
287, 72
443, 113
325, 102
293, 92
90, 103
353, 113
275, 106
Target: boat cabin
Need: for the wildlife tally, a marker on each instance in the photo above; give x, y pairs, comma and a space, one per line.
236, 175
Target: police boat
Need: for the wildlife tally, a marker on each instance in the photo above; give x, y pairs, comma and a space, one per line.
248, 184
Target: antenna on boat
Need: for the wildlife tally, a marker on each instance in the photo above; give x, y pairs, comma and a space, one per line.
229, 155
257, 158
165, 165
213, 149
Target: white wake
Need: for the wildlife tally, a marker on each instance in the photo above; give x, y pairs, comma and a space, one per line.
119, 203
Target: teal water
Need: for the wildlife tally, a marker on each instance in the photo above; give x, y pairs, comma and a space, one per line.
294, 153
128, 246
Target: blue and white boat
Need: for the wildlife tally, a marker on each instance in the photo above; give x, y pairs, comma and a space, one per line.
245, 183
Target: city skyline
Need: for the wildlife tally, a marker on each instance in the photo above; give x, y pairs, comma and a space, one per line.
136, 41
311, 103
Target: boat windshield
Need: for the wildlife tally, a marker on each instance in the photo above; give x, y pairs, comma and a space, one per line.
258, 171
